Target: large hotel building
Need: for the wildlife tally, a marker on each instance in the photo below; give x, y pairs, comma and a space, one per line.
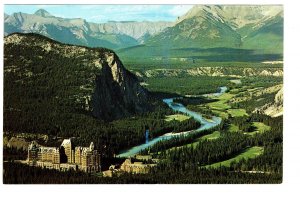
65, 157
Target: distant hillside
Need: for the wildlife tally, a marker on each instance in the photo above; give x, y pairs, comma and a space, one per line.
202, 30
263, 24
78, 31
267, 36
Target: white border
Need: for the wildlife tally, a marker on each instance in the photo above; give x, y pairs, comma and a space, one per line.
291, 126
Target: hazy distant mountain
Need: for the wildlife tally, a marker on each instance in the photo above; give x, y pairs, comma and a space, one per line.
5, 16
79, 31
43, 13
137, 30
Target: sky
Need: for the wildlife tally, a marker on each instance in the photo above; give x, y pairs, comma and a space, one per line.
104, 13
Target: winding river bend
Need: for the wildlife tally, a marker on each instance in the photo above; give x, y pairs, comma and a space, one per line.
177, 107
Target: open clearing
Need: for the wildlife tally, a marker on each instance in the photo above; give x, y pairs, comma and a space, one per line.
213, 136
236, 81
250, 153
221, 104
221, 114
260, 128
233, 128
237, 112
178, 117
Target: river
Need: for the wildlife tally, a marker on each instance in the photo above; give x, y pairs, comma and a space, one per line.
178, 107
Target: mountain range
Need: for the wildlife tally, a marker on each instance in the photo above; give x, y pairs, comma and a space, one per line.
80, 32
257, 28
218, 33
225, 26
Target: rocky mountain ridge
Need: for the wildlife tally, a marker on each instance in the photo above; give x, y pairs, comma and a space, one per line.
90, 80
212, 71
79, 31
258, 27
237, 16
137, 30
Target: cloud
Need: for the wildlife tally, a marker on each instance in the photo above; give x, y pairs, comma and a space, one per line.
179, 10
46, 6
127, 13
98, 17
88, 7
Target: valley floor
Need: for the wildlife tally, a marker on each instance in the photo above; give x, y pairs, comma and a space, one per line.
246, 147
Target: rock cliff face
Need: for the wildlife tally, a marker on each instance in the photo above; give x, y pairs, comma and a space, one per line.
117, 92
74, 78
275, 108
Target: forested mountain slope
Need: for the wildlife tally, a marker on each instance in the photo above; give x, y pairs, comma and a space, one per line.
45, 80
